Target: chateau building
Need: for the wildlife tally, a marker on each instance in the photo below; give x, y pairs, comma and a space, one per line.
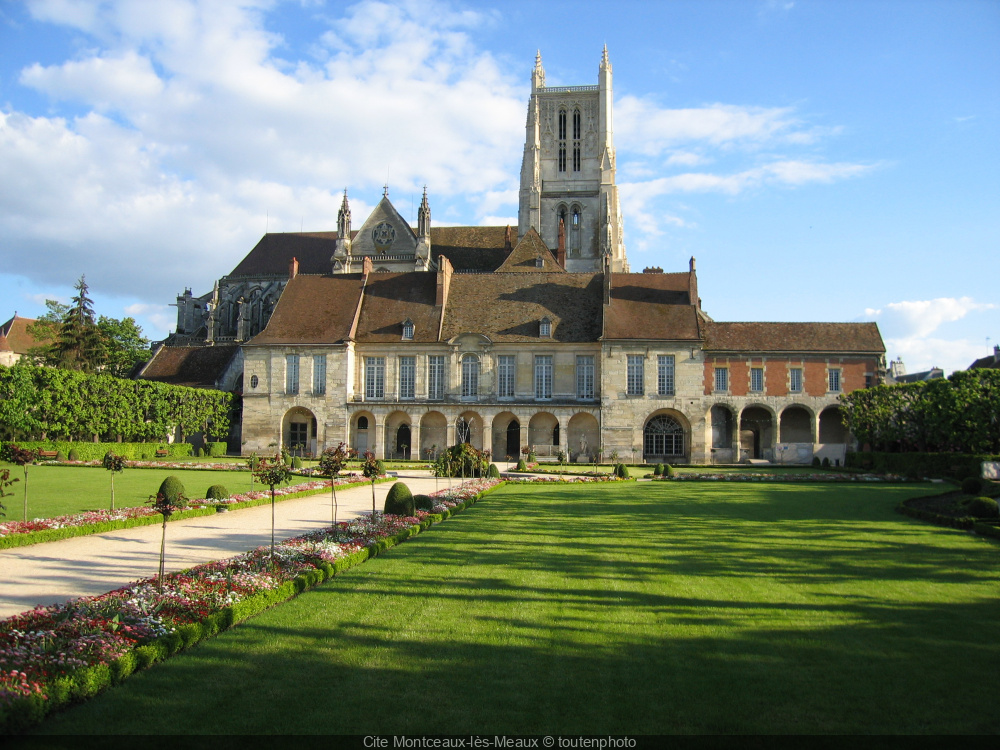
404, 340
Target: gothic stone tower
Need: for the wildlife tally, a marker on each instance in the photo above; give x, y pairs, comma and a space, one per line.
568, 171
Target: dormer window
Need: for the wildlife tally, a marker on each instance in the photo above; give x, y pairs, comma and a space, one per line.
407, 330
545, 328
539, 263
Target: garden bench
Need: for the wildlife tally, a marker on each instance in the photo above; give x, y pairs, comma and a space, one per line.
162, 453
48, 454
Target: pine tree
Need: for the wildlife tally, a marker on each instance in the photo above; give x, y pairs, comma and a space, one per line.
80, 345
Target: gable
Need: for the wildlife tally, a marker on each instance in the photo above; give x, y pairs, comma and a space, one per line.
385, 232
525, 256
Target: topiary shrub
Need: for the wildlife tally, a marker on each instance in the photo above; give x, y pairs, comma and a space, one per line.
423, 502
521, 465
296, 463
532, 458
74, 454
658, 470
60, 456
399, 501
381, 466
217, 492
172, 490
493, 472
983, 507
826, 463
816, 461
620, 471
972, 485
668, 471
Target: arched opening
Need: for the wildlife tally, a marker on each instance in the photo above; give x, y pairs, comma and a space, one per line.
583, 437
662, 438
543, 434
795, 425
298, 432
433, 434
469, 429
831, 426
756, 433
722, 421
394, 422
513, 444
403, 441
363, 432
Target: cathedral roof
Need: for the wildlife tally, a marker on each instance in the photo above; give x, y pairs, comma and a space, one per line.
391, 298
793, 337
314, 310
651, 306
193, 366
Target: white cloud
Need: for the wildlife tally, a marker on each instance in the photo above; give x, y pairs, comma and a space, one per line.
921, 318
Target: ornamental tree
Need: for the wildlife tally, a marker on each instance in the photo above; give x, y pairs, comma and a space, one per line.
272, 472
23, 457
167, 501
116, 465
331, 463
371, 470
5, 482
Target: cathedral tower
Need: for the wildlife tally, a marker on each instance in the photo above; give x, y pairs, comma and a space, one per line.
568, 171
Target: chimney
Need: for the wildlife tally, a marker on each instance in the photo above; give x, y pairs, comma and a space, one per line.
366, 266
443, 281
561, 255
506, 241
693, 286
607, 279
996, 354
293, 268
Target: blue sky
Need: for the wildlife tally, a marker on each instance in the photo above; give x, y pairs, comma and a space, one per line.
829, 161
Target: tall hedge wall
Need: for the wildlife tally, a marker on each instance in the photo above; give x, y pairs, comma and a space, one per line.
71, 405
95, 451
938, 465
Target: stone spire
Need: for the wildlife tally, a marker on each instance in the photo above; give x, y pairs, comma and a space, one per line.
342, 250
538, 74
422, 260
424, 217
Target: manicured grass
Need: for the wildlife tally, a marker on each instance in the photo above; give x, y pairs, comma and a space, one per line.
60, 490
621, 609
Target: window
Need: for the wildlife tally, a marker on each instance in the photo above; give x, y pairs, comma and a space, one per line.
663, 436
665, 375
374, 377
506, 372
470, 376
562, 140
721, 378
319, 374
435, 377
795, 380
291, 374
634, 374
362, 423
254, 381
585, 377
545, 328
543, 377
576, 140
756, 379
869, 380
408, 330
298, 434
407, 377
834, 381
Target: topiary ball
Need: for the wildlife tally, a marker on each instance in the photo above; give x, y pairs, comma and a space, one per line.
74, 454
658, 470
423, 502
826, 463
816, 461
217, 492
983, 507
522, 466
399, 501
668, 471
60, 456
296, 463
972, 485
172, 490
621, 472
493, 472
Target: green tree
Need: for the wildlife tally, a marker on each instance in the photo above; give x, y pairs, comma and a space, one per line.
272, 473
166, 502
331, 463
80, 345
371, 470
116, 465
124, 344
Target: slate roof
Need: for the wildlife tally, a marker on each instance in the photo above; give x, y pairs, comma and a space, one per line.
391, 298
193, 366
990, 362
508, 306
468, 249
651, 306
315, 310
793, 337
524, 257
15, 331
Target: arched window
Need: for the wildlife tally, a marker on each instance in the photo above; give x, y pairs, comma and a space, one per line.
545, 328
562, 140
470, 377
408, 330
574, 231
663, 436
576, 140
362, 423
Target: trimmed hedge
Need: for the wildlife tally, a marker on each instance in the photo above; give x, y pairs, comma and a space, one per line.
399, 501
964, 523
216, 449
217, 492
938, 465
95, 451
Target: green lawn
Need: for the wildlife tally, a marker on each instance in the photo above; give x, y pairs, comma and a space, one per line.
622, 609
59, 490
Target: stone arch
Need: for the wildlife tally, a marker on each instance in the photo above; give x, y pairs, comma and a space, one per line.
506, 435
757, 432
543, 433
469, 429
298, 431
583, 436
363, 437
831, 426
666, 434
795, 425
397, 434
433, 433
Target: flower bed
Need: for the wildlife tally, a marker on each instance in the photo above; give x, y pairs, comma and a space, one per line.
762, 477
54, 655
579, 479
21, 533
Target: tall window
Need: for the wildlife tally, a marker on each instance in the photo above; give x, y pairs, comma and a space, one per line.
795, 380
576, 140
470, 376
574, 233
506, 369
319, 374
585, 377
665, 374
435, 377
562, 140
407, 377
408, 330
757, 379
834, 381
545, 328
721, 378
543, 376
291, 374
634, 374
374, 377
